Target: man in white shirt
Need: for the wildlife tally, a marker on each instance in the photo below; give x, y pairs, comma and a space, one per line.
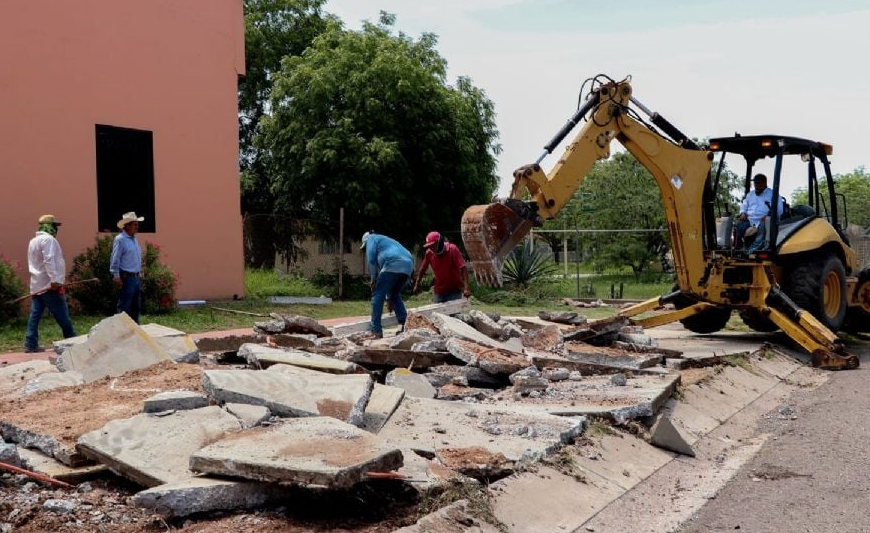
47, 276
754, 212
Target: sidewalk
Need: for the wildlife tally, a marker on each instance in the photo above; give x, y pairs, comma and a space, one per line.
11, 358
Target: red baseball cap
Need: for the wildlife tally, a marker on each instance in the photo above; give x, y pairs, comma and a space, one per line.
432, 238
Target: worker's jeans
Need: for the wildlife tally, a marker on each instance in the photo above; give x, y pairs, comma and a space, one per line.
56, 304
130, 298
388, 285
448, 297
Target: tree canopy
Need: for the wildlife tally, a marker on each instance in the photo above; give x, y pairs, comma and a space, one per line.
366, 121
855, 186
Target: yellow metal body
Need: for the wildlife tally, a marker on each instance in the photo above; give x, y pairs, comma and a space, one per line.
680, 174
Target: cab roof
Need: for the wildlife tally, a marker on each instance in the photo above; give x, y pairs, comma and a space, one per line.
754, 147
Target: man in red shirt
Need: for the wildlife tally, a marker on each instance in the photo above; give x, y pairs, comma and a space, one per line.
451, 276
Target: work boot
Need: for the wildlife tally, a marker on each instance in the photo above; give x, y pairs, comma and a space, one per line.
38, 349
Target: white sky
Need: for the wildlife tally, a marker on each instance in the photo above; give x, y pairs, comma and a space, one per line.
791, 67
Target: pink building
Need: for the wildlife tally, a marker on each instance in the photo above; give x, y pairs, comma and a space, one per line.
109, 106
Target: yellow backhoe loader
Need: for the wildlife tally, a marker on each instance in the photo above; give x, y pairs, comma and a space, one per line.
804, 279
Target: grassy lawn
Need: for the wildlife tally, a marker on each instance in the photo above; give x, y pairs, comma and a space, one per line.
261, 284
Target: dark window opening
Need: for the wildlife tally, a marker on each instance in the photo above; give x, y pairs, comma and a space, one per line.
125, 177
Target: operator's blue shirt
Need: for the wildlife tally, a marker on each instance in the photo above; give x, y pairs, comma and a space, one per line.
126, 255
384, 254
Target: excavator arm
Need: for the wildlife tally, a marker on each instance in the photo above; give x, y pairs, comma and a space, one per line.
681, 169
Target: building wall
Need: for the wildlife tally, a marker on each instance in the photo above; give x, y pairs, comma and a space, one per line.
324, 257
167, 66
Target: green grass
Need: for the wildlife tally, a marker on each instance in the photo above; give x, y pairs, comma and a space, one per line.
259, 284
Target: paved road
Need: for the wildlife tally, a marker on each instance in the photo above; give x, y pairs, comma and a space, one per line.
814, 476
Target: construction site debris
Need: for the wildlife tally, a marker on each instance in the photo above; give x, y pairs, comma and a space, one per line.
249, 415
291, 324
258, 356
414, 385
177, 400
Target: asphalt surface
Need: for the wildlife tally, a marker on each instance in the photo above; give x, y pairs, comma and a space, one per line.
813, 475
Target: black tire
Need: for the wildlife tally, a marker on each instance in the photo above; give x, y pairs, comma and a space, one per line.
757, 322
858, 316
819, 286
709, 321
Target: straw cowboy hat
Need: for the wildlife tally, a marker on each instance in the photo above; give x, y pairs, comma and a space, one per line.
48, 219
126, 218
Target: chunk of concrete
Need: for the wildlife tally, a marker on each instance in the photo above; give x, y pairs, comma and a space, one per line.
13, 378
293, 391
427, 425
249, 415
495, 361
548, 337
203, 494
114, 346
36, 461
456, 328
408, 338
398, 358
602, 327
304, 451
9, 454
664, 435
259, 356
179, 345
291, 324
53, 380
454, 518
153, 450
486, 325
177, 400
459, 391
382, 404
562, 317
476, 462
414, 320
414, 385
295, 300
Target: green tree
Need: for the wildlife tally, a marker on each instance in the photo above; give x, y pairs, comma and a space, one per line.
365, 120
274, 29
855, 186
620, 193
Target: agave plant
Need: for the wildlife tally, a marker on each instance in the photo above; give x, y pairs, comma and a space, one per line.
526, 264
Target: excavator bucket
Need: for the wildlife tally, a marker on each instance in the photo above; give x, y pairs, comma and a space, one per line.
490, 232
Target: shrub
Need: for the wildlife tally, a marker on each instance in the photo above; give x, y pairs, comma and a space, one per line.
526, 264
10, 289
355, 287
101, 298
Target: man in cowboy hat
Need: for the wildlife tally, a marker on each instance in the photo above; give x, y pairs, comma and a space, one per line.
390, 265
47, 276
451, 275
126, 265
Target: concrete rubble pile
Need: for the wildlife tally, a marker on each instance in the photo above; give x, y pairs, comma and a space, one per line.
459, 394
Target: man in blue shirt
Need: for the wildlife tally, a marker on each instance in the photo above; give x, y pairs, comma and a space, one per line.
390, 265
126, 265
754, 212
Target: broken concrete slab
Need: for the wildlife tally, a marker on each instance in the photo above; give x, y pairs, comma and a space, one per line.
416, 360
408, 338
426, 311
35, 421
291, 324
562, 317
427, 425
178, 345
382, 404
36, 461
460, 392
485, 324
155, 449
598, 396
546, 338
304, 451
463, 375
229, 343
259, 356
603, 327
204, 494
13, 378
414, 385
495, 361
9, 454
177, 400
453, 327
664, 435
454, 518
249, 415
114, 346
605, 356
293, 391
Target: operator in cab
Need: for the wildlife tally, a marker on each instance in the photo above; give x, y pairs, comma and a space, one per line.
753, 214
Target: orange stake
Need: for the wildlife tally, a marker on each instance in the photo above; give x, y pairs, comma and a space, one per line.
34, 475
